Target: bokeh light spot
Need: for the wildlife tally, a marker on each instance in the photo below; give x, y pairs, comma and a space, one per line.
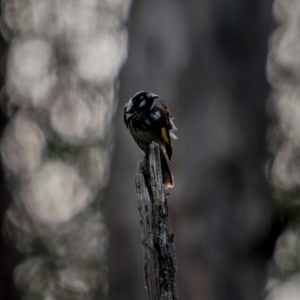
55, 193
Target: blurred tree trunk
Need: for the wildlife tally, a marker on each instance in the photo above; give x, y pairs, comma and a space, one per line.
60, 95
7, 262
207, 59
284, 169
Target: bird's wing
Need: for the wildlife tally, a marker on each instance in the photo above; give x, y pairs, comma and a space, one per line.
164, 133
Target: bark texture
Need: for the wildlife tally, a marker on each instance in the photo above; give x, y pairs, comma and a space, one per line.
157, 236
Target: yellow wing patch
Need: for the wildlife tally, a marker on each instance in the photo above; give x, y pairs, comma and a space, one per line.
165, 136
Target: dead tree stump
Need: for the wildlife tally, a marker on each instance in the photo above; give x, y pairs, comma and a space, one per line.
157, 236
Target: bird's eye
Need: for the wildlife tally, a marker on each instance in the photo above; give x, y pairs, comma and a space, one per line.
142, 97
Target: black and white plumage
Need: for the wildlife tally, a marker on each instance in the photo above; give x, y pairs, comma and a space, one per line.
148, 122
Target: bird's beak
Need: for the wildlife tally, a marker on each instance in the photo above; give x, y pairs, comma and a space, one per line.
152, 96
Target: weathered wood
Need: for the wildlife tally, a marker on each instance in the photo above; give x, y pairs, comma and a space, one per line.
157, 237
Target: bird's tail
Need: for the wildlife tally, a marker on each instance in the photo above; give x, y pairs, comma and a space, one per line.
167, 176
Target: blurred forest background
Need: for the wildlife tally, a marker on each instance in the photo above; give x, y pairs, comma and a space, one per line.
207, 59
236, 161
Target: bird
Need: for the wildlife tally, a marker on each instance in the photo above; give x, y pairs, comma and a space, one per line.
148, 122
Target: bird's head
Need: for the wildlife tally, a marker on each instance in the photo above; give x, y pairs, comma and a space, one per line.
142, 101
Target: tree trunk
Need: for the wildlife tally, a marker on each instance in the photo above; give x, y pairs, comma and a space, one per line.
157, 236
